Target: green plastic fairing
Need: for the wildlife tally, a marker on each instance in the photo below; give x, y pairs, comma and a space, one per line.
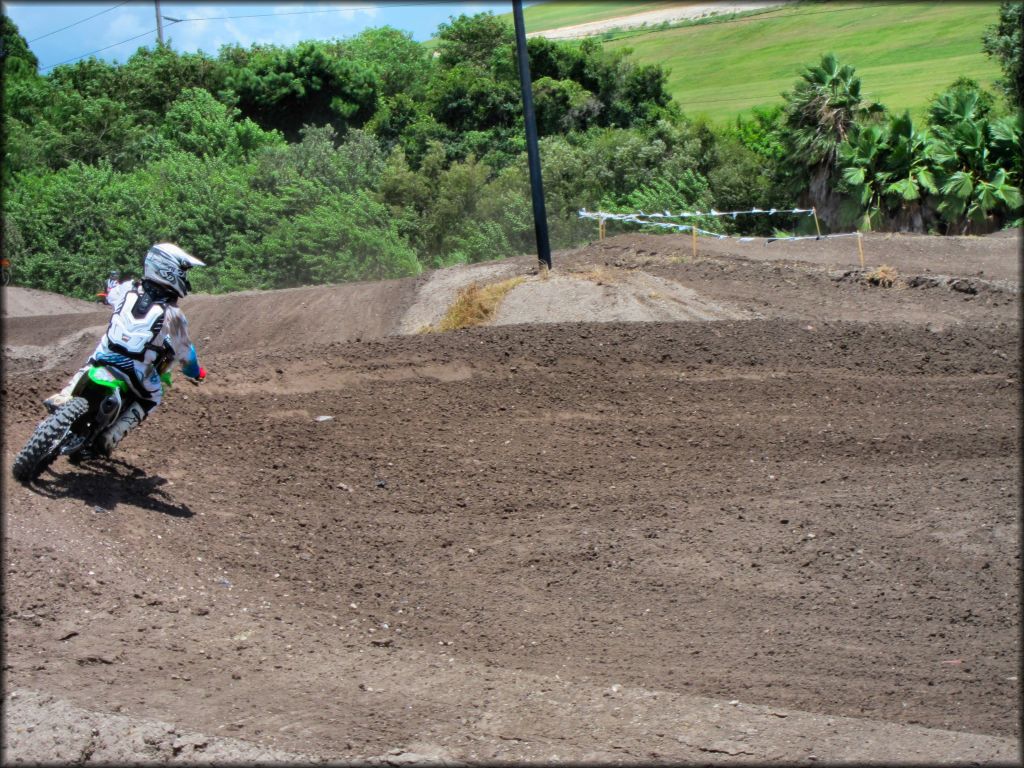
104, 378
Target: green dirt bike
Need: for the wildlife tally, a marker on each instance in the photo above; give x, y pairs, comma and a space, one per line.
72, 430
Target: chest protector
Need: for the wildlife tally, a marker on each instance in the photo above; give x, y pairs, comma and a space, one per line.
135, 333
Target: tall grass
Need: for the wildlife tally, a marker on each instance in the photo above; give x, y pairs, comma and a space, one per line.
476, 305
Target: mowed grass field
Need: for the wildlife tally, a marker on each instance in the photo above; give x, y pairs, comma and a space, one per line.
904, 52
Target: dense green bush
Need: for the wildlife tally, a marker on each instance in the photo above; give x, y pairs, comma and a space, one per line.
349, 236
959, 174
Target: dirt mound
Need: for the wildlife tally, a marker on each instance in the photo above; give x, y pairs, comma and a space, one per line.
606, 296
780, 523
583, 292
29, 302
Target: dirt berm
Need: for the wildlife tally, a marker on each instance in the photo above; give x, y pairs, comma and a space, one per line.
759, 505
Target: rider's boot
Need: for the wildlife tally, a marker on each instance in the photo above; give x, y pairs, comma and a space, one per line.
53, 402
131, 418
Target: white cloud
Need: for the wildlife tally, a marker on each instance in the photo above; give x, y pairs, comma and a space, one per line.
125, 24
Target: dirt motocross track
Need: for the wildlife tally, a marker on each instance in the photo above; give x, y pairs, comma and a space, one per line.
776, 520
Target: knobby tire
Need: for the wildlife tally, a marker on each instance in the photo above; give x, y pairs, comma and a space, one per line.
44, 445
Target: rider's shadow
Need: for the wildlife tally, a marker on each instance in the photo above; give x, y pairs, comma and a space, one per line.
131, 486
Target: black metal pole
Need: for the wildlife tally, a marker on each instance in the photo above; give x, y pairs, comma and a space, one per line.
540, 217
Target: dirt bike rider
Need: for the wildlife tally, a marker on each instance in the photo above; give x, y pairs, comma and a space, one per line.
147, 333
116, 294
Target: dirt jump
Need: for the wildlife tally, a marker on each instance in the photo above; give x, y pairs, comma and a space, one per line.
758, 504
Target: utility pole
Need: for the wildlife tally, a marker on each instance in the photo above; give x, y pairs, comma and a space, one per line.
540, 218
159, 25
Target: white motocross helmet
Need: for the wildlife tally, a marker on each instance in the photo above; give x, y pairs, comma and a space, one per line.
168, 265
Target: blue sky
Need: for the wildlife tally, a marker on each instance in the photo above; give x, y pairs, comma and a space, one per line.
114, 30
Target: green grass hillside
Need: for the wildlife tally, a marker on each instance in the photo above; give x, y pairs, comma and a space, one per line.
904, 52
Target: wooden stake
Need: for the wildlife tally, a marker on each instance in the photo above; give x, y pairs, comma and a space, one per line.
860, 250
600, 229
693, 232
814, 210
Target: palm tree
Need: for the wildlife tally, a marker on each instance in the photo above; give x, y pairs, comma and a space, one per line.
977, 163
887, 168
1007, 134
911, 179
862, 158
820, 111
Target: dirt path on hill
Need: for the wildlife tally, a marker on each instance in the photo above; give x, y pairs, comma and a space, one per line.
775, 521
683, 12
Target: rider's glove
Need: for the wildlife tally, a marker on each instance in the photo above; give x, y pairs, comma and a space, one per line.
202, 374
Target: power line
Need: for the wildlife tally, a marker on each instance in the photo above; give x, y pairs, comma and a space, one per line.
302, 13
82, 21
99, 50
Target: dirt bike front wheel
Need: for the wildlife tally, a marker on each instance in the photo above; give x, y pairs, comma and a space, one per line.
45, 444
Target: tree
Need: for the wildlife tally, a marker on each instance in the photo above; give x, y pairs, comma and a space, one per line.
1007, 138
401, 65
196, 122
451, 214
311, 83
1002, 41
348, 237
563, 106
25, 94
467, 97
756, 172
820, 111
629, 94
76, 128
888, 170
16, 60
687, 192
976, 166
963, 100
154, 78
476, 40
909, 163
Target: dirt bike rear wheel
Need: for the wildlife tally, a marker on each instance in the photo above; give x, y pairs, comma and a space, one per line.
44, 445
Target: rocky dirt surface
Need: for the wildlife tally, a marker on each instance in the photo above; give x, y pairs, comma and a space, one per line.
742, 508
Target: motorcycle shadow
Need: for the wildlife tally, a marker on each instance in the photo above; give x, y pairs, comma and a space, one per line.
121, 482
